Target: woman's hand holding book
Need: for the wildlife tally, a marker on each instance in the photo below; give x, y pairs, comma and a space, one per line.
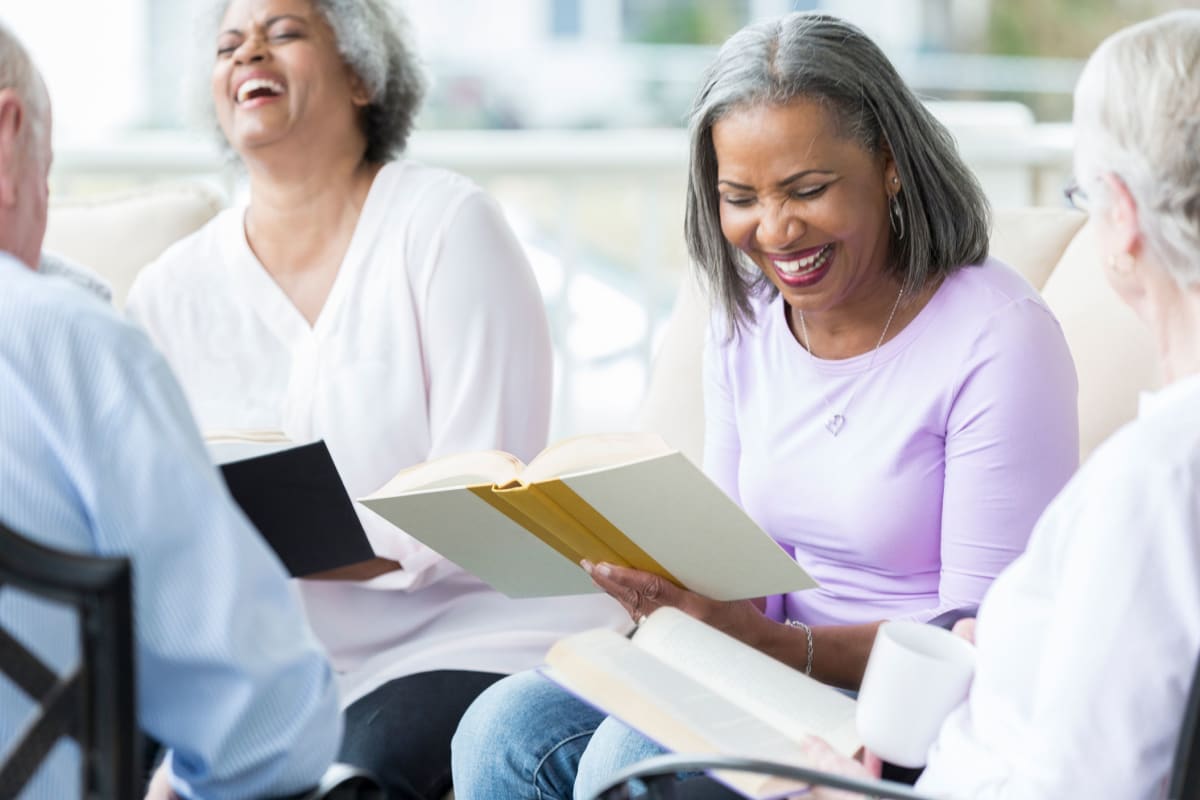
641, 593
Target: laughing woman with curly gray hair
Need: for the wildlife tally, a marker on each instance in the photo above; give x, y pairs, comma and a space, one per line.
385, 307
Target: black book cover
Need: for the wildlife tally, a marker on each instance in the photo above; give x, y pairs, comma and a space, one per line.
296, 499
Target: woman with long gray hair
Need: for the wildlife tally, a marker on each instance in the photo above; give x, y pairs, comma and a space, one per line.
893, 406
385, 307
1087, 644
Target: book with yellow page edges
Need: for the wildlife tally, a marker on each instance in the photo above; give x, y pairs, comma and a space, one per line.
628, 499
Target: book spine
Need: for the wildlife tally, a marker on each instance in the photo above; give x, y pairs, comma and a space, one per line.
511, 502
558, 516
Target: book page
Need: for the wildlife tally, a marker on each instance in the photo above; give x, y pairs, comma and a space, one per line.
228, 445
683, 521
596, 451
465, 469
783, 697
610, 672
464, 528
661, 513
245, 435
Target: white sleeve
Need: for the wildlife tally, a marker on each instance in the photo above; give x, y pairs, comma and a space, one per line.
1117, 659
488, 362
486, 339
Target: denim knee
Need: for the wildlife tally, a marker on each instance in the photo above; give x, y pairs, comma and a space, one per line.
521, 739
613, 747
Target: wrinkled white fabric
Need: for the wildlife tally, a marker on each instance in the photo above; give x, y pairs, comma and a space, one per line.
433, 341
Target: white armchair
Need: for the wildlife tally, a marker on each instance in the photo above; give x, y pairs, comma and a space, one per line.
117, 236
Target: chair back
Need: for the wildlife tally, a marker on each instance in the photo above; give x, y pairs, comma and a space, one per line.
1185, 772
92, 704
118, 234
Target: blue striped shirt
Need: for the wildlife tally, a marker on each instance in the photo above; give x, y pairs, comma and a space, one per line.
98, 454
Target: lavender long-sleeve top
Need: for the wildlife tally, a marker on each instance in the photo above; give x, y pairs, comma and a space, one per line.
956, 436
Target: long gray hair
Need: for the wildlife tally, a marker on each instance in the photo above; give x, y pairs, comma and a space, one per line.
373, 39
825, 59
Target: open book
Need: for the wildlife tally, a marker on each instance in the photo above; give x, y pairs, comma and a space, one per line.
628, 499
693, 689
294, 496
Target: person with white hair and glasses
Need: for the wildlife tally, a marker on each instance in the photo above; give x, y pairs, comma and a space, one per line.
1087, 644
381, 305
890, 404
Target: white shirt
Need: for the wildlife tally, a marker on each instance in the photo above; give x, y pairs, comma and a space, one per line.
1088, 642
101, 457
433, 341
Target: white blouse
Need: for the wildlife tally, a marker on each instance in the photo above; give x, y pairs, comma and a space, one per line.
1087, 644
433, 341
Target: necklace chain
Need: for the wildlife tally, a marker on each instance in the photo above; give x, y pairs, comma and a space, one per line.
836, 421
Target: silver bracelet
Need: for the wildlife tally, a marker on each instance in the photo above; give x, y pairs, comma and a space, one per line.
795, 623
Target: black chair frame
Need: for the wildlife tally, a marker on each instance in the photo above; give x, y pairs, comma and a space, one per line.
1185, 770
659, 776
95, 703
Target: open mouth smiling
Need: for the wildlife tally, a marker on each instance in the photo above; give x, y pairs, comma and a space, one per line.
806, 265
258, 88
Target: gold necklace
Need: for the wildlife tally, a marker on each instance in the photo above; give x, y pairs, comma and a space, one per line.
836, 420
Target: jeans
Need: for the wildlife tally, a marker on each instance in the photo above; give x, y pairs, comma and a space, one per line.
525, 738
613, 748
401, 731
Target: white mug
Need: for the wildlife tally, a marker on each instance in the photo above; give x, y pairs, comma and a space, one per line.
915, 677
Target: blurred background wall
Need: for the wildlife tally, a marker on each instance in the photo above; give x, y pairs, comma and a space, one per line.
571, 113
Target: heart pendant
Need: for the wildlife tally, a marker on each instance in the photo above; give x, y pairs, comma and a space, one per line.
834, 424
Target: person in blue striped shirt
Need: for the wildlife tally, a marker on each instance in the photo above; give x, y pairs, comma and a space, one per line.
99, 455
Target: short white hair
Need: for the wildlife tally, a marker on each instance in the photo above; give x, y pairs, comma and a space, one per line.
1137, 115
19, 73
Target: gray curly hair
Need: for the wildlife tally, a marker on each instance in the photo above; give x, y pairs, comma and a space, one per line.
1136, 115
373, 39
826, 59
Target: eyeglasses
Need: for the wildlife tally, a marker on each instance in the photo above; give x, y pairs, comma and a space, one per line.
1076, 197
